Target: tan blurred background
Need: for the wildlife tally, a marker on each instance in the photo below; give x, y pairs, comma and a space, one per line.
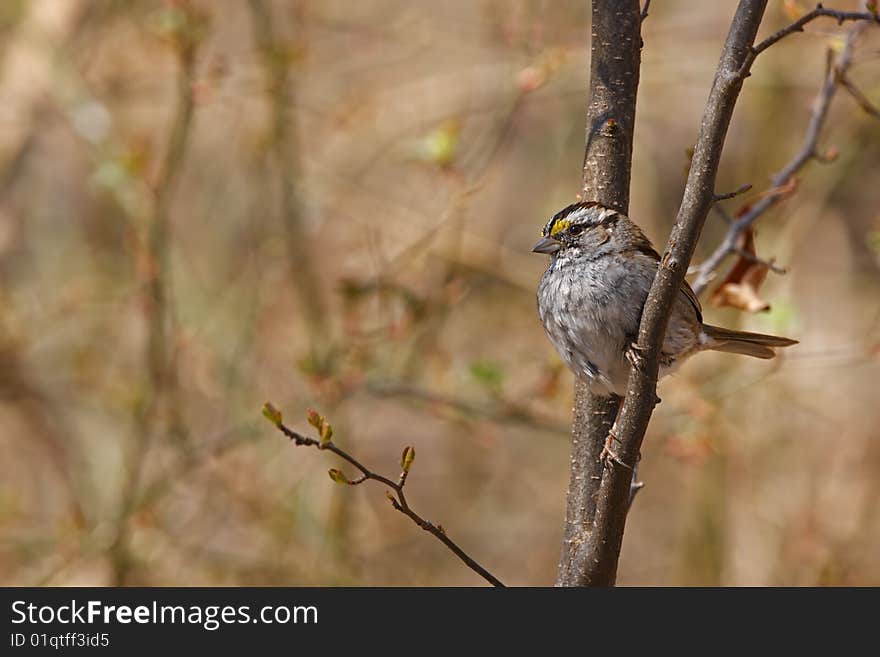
331, 204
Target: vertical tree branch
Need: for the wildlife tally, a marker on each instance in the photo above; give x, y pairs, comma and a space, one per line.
605, 539
592, 421
615, 46
162, 387
277, 60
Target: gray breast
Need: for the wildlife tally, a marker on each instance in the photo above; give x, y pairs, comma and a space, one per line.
580, 305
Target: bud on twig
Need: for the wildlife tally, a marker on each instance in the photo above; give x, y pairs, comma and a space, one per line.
338, 476
272, 414
326, 434
407, 458
325, 430
315, 418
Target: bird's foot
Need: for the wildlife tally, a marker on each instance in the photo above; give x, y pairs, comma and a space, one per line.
635, 356
608, 455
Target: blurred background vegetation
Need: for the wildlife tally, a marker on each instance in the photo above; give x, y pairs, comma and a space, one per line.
205, 205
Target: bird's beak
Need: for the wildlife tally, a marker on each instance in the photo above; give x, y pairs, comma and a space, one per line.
547, 245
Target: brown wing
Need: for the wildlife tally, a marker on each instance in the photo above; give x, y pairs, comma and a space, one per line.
691, 296
645, 248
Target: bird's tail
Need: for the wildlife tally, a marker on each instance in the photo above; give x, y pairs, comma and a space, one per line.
758, 345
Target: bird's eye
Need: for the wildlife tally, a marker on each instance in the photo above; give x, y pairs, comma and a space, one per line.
576, 230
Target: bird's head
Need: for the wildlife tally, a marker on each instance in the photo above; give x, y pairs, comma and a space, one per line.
582, 228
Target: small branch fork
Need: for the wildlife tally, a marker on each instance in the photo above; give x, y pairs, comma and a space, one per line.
798, 26
782, 183
397, 497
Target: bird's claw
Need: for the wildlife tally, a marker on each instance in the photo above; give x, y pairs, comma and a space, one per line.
608, 455
635, 357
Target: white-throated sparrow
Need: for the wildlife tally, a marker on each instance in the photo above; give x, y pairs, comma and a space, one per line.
590, 300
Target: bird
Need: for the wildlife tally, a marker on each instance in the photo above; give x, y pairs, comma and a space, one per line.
591, 297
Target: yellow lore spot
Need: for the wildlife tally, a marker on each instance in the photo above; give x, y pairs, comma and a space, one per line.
559, 227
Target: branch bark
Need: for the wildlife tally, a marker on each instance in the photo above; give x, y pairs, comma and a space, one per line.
614, 80
599, 497
602, 547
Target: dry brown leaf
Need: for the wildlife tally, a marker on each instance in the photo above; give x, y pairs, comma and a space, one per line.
740, 287
743, 297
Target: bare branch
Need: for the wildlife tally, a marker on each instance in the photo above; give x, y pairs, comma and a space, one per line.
615, 42
819, 12
602, 547
601, 550
635, 485
742, 189
798, 26
644, 14
779, 187
397, 498
858, 96
599, 498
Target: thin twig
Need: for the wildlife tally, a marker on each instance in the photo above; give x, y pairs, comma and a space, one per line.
635, 485
779, 183
858, 96
769, 264
725, 216
644, 14
820, 11
742, 189
398, 499
798, 26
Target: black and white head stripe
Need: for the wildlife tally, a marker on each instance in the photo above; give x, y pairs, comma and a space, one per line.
588, 213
